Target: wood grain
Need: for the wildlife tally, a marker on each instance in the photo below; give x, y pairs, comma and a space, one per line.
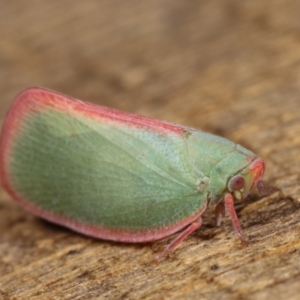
228, 67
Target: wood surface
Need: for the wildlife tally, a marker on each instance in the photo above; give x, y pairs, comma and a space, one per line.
228, 67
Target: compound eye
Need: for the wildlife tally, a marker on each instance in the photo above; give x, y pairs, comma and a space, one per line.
236, 183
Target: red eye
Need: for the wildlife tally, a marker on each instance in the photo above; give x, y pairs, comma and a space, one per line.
236, 183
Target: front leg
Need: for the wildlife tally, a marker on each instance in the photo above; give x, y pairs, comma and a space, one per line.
229, 207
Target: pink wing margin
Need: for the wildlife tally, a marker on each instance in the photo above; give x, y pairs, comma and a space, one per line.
34, 99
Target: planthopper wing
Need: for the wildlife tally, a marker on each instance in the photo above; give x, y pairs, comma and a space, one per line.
83, 165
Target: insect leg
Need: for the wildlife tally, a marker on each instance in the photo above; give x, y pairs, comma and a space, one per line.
229, 205
219, 213
262, 189
266, 191
192, 227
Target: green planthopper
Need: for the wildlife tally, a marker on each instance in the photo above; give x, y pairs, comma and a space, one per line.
119, 176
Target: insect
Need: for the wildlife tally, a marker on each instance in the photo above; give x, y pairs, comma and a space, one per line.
119, 176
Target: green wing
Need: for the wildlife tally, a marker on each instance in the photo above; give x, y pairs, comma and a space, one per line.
103, 172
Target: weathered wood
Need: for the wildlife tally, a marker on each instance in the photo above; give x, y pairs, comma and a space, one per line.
228, 67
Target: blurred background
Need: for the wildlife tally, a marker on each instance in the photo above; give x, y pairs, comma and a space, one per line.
229, 67
157, 57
